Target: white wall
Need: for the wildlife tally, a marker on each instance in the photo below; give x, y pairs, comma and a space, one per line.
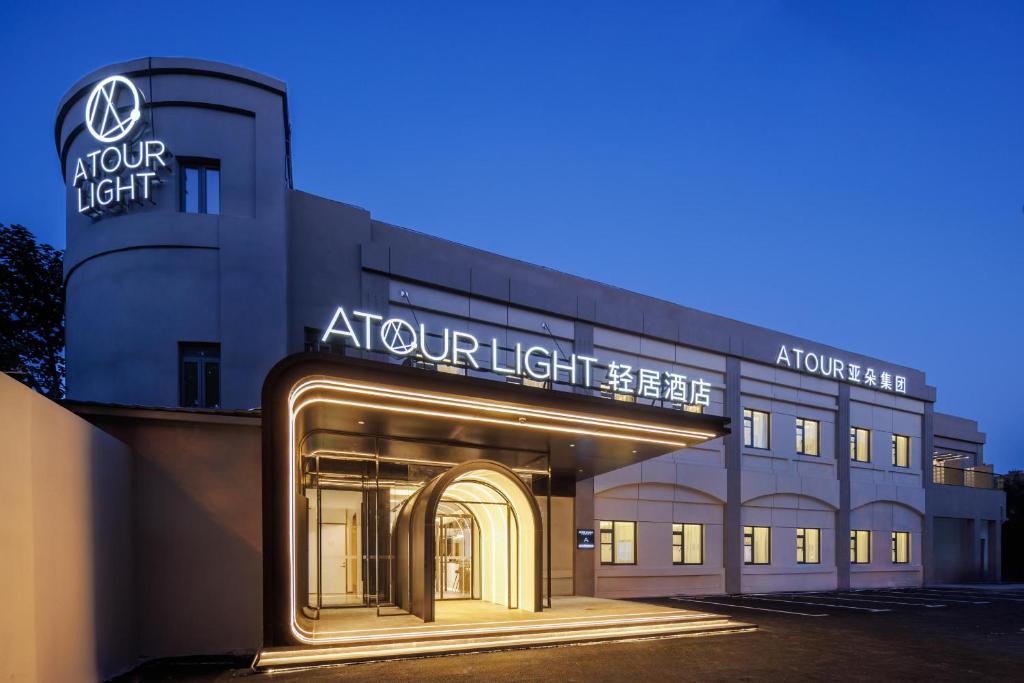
67, 575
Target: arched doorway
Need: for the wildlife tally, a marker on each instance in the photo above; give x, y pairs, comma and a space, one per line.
505, 523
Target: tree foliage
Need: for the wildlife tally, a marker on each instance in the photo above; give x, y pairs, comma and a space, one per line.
31, 311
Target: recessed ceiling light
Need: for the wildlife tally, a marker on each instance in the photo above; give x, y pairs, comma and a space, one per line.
572, 445
362, 422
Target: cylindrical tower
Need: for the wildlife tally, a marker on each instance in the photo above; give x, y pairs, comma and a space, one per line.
177, 174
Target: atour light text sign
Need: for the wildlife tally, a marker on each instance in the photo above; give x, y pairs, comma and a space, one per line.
836, 368
126, 169
399, 337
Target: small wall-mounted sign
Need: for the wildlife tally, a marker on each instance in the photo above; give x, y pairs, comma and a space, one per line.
585, 539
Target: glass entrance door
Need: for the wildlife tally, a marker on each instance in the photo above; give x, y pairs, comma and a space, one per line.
453, 575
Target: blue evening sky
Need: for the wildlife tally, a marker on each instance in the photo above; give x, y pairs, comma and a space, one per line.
849, 172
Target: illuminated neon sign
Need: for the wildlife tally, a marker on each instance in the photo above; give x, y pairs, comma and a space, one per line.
831, 367
398, 337
124, 172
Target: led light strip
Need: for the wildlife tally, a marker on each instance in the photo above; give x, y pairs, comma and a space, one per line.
358, 456
493, 420
493, 406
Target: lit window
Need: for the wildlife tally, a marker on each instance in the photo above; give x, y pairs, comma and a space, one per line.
693, 408
687, 543
618, 542
808, 546
757, 544
755, 428
860, 444
860, 546
807, 437
901, 547
199, 186
199, 375
900, 450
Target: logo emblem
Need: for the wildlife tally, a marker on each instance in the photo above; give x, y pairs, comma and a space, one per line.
398, 336
102, 117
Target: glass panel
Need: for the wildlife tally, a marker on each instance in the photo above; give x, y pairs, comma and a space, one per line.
211, 384
811, 437
762, 544
190, 190
677, 553
812, 546
860, 547
606, 553
625, 547
748, 430
190, 383
212, 190
693, 543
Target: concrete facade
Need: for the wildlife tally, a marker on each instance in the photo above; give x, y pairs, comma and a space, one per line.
263, 277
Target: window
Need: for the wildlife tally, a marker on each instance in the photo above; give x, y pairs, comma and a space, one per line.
757, 545
860, 444
755, 428
199, 186
687, 543
693, 408
618, 542
199, 375
901, 547
808, 546
900, 450
807, 437
860, 546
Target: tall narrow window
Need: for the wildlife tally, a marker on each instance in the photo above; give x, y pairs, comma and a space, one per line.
901, 547
755, 428
618, 542
860, 444
860, 546
900, 450
757, 545
199, 375
199, 181
808, 546
807, 437
687, 543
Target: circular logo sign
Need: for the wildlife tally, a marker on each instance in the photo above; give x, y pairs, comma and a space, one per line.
102, 117
398, 336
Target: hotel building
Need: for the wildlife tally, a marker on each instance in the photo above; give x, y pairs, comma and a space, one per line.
322, 412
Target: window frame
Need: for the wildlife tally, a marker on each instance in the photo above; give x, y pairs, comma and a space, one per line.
855, 442
801, 436
801, 545
894, 535
855, 545
203, 354
601, 542
680, 536
748, 419
752, 535
203, 165
895, 441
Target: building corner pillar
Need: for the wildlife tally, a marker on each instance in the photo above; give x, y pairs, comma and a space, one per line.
733, 515
842, 451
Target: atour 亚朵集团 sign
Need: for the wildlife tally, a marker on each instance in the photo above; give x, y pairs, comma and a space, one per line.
125, 170
399, 337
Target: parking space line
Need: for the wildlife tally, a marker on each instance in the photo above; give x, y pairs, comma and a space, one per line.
759, 609
882, 601
758, 596
911, 597
978, 594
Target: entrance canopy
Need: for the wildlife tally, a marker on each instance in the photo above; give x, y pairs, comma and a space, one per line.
348, 404
334, 423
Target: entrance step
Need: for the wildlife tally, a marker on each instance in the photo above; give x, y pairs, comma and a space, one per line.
433, 640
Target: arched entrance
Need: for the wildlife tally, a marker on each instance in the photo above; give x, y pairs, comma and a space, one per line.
505, 524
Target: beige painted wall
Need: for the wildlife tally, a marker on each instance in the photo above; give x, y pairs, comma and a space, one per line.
66, 575
198, 529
